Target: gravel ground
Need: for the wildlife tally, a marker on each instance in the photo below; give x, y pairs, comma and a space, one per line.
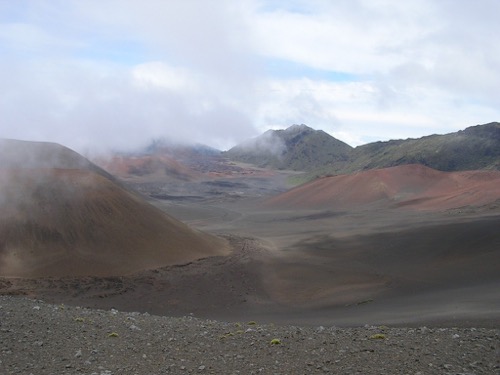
39, 338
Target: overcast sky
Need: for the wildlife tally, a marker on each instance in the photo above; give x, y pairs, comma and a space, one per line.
96, 74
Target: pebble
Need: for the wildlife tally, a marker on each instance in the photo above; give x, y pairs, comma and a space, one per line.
164, 345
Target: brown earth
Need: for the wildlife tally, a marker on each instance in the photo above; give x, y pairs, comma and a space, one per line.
63, 216
410, 186
58, 222
155, 166
366, 262
388, 272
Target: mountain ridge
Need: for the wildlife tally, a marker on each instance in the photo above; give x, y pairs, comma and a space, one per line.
476, 147
298, 147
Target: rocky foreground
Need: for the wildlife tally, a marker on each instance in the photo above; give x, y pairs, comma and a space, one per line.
39, 338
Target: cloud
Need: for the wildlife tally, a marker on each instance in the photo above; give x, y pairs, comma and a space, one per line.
87, 102
266, 144
417, 67
115, 73
348, 36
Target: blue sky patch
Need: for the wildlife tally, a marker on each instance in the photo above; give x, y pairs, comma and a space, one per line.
284, 69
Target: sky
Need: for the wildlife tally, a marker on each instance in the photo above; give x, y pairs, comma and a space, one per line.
99, 75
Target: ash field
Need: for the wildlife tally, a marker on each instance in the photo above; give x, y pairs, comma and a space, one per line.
401, 246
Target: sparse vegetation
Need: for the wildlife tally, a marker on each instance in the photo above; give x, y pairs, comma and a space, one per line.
188, 345
476, 147
298, 147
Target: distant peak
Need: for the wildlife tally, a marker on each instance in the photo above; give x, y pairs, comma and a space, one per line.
298, 128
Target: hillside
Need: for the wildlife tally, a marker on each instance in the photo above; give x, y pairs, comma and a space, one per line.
154, 166
477, 147
297, 148
411, 186
41, 155
304, 149
163, 161
62, 216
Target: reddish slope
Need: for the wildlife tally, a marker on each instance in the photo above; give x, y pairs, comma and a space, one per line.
74, 222
147, 165
413, 186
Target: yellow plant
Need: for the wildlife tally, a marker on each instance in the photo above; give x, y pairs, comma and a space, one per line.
377, 336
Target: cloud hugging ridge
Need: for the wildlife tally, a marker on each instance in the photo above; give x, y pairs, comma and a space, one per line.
99, 74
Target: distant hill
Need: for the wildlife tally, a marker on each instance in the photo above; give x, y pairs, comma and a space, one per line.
154, 166
298, 147
477, 147
302, 148
410, 186
60, 215
181, 151
161, 160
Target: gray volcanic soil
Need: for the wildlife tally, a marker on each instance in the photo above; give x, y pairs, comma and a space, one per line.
301, 270
371, 265
40, 338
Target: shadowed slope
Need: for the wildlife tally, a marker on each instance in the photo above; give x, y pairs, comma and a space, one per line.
75, 222
425, 272
413, 186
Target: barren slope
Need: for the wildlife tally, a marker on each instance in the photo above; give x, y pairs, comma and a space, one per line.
412, 186
151, 166
74, 222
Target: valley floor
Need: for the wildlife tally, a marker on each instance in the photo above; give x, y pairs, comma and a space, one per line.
364, 291
309, 267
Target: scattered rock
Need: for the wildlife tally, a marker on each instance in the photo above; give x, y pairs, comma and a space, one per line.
177, 345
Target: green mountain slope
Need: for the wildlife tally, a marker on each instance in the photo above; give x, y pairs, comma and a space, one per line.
304, 149
477, 147
298, 148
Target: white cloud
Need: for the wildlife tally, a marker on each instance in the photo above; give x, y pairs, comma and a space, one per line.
115, 73
160, 75
353, 36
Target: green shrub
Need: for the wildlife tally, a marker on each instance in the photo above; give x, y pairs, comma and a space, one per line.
377, 336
